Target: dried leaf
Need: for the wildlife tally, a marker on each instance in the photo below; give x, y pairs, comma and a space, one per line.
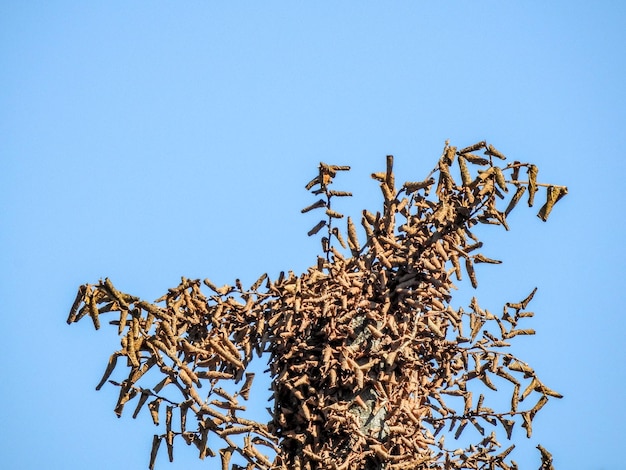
519, 366
244, 392
466, 178
502, 455
483, 259
515, 199
546, 458
154, 410
473, 148
93, 311
169, 436
411, 187
469, 267
353, 240
527, 424
515, 397
317, 228
332, 214
491, 150
555, 193
145, 394
475, 159
332, 192
110, 367
500, 181
225, 455
80, 295
312, 183
156, 442
527, 300
508, 425
315, 205
532, 183
339, 238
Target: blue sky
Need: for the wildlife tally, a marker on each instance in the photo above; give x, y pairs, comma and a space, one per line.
145, 141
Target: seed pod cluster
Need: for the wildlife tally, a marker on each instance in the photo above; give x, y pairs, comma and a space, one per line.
371, 366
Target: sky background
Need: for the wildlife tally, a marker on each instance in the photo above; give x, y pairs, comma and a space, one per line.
145, 141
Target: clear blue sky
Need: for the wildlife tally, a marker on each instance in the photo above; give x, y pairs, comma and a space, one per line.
144, 141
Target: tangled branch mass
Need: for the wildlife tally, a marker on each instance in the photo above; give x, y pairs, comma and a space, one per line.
371, 367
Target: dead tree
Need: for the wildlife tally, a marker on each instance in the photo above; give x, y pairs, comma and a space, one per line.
371, 366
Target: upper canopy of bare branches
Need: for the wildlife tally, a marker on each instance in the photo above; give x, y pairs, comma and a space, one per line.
371, 365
